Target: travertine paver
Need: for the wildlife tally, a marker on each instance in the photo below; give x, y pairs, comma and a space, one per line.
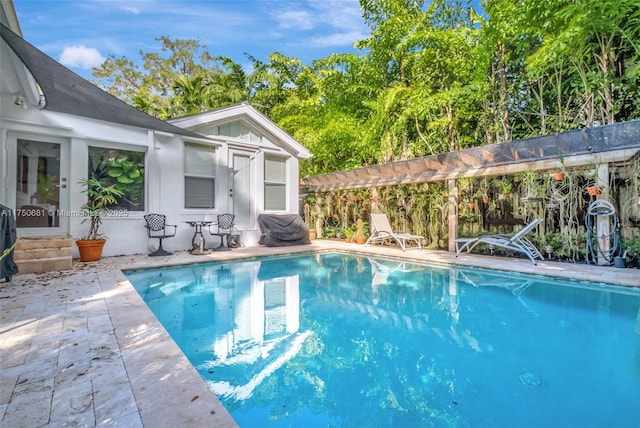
81, 348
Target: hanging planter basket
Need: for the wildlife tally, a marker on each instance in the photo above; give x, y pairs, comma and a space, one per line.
594, 190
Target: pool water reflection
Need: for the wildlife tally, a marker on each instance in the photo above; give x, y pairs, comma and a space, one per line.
347, 340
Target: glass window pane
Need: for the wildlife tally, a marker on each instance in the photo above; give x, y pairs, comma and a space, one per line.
200, 171
200, 160
275, 169
123, 168
37, 184
275, 197
199, 192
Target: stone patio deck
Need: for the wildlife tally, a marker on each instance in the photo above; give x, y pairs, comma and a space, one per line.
81, 348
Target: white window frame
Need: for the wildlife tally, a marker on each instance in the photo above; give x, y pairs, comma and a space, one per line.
128, 148
275, 182
212, 152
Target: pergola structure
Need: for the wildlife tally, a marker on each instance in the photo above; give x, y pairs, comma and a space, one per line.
594, 148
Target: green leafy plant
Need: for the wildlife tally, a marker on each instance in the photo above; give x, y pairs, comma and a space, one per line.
129, 174
349, 233
362, 228
632, 251
557, 242
99, 198
506, 186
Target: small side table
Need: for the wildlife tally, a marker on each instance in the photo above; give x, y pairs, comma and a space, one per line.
198, 244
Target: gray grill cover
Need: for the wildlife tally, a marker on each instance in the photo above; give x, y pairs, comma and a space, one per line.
282, 230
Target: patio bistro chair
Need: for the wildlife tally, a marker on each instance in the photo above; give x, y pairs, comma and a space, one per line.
157, 227
224, 229
381, 231
516, 242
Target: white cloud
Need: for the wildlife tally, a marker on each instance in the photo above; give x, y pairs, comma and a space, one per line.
81, 56
340, 14
338, 39
335, 22
298, 19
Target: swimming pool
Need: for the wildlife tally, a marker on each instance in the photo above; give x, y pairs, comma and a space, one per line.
335, 339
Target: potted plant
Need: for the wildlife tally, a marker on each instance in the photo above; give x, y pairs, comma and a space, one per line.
594, 190
312, 233
632, 251
505, 188
349, 233
310, 219
360, 225
99, 198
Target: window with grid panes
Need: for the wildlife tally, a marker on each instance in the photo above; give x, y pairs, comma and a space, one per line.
275, 183
199, 176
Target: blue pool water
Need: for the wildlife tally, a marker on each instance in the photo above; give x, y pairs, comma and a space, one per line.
339, 340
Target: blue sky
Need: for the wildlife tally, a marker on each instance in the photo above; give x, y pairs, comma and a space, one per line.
81, 34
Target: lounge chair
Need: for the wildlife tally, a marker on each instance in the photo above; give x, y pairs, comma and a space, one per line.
511, 283
516, 242
381, 231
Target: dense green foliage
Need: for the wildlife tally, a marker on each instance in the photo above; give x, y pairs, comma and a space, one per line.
432, 77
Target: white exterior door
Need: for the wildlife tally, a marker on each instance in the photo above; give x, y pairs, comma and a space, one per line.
38, 187
241, 202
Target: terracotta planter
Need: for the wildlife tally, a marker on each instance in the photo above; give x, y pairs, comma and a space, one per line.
558, 176
90, 249
594, 190
312, 234
360, 240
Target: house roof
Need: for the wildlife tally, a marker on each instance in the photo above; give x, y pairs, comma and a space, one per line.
67, 92
250, 115
578, 148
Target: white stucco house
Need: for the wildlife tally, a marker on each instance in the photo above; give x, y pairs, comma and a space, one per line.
55, 126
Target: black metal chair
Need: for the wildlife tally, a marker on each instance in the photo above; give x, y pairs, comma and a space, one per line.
157, 227
224, 229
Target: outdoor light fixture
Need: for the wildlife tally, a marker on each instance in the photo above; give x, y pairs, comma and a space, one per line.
20, 101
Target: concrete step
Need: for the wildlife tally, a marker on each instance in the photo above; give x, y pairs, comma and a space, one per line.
39, 242
43, 254
44, 265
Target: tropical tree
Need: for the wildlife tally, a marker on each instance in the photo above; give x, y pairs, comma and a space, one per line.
431, 77
596, 44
